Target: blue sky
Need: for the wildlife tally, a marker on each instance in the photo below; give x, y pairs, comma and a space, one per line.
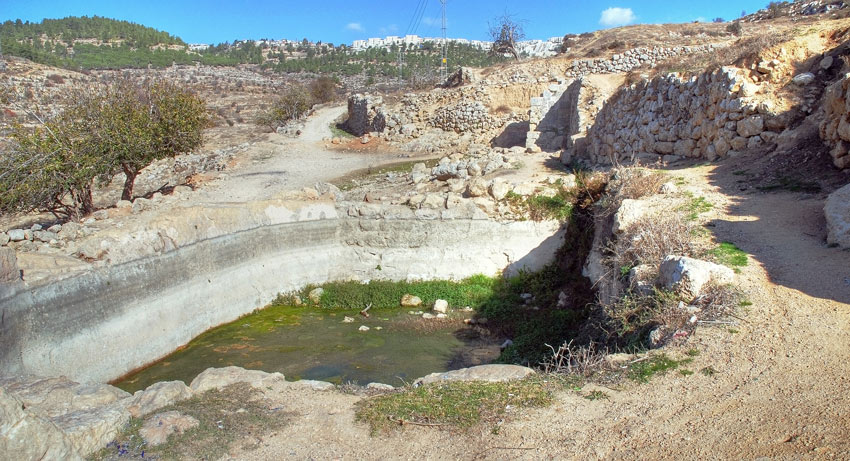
341, 21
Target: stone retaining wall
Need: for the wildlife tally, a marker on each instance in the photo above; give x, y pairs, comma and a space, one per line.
633, 59
107, 322
668, 118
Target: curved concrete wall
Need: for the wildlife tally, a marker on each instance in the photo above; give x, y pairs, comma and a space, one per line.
107, 322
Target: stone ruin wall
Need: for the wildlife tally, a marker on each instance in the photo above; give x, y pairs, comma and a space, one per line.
365, 114
635, 58
835, 127
668, 118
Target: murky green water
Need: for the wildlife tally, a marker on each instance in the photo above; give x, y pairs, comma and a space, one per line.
312, 343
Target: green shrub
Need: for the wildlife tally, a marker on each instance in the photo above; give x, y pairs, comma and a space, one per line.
294, 103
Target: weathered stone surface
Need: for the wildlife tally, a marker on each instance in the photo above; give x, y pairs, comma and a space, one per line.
837, 211
805, 78
689, 276
217, 378
17, 235
159, 427
489, 373
315, 295
630, 211
9, 270
26, 436
441, 306
380, 387
409, 300
750, 126
477, 187
499, 188
157, 396
90, 430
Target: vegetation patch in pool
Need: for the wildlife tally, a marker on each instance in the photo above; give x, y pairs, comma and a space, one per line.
323, 343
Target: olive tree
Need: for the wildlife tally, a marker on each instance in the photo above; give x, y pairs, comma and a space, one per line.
122, 127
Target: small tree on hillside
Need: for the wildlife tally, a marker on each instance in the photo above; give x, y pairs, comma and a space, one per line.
505, 33
120, 128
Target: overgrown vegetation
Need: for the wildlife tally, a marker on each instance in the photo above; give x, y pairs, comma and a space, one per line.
452, 404
293, 103
121, 127
225, 417
642, 371
473, 291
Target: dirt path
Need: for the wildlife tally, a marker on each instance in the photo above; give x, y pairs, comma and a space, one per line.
779, 391
277, 163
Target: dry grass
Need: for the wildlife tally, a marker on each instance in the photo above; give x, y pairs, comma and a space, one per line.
575, 360
651, 238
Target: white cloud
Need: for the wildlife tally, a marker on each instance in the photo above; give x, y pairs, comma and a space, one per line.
616, 16
355, 26
431, 22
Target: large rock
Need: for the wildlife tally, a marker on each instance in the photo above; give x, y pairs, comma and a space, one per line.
90, 430
90, 415
630, 211
159, 427
315, 295
217, 378
837, 211
489, 373
409, 300
26, 436
750, 126
157, 396
9, 270
441, 306
689, 276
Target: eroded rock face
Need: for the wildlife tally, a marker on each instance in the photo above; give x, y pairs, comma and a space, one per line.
217, 378
489, 373
27, 436
689, 276
157, 396
89, 415
837, 211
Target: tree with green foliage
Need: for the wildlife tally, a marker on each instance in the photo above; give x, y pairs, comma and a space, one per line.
292, 104
120, 128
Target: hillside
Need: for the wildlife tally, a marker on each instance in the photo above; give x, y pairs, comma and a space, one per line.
103, 43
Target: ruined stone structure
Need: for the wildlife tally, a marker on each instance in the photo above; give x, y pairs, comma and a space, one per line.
365, 114
634, 58
835, 127
554, 117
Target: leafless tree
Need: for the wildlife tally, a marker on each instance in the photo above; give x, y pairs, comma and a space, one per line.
505, 33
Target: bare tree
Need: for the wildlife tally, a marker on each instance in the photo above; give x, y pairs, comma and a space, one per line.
505, 33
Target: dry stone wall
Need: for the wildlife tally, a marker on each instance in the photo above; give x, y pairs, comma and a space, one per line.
365, 114
667, 118
465, 116
835, 127
634, 58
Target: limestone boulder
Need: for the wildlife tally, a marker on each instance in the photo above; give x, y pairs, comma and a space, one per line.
90, 430
499, 188
750, 126
630, 211
477, 187
441, 306
157, 396
315, 295
688, 275
409, 300
27, 436
217, 378
837, 211
488, 373
9, 270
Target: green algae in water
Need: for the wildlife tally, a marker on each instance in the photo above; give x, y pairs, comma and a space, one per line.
309, 343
